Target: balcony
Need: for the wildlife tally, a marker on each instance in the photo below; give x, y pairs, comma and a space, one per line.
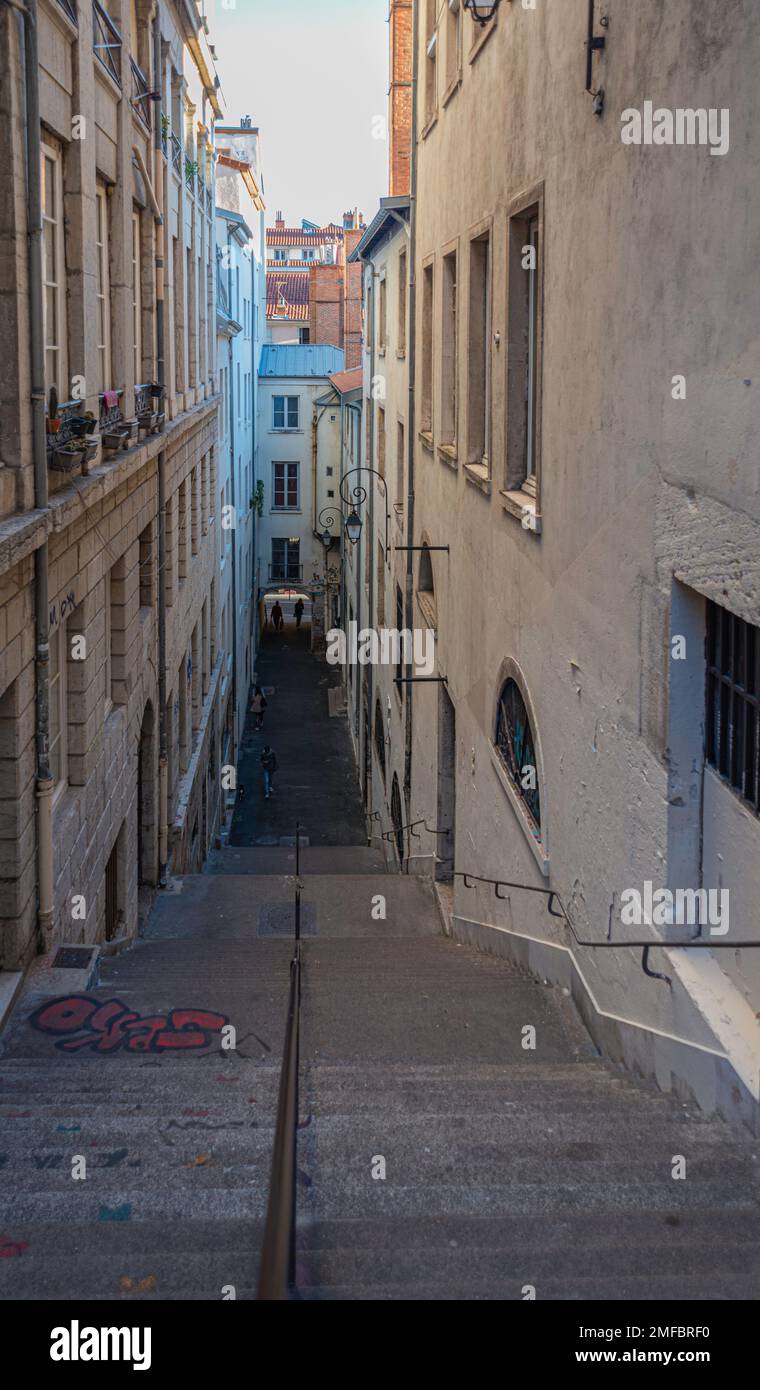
69, 437
116, 432
176, 152
106, 42
149, 407
140, 98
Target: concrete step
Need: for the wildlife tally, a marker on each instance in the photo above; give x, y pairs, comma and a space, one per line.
232, 907
667, 1289
281, 860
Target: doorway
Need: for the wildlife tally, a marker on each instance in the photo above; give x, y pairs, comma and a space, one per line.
446, 807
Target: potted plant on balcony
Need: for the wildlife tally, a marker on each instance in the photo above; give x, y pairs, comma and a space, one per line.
53, 419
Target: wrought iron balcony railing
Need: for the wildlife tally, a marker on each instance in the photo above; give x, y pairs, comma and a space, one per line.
140, 98
106, 41
70, 9
285, 570
176, 147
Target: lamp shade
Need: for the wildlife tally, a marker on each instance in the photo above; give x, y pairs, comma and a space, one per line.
353, 527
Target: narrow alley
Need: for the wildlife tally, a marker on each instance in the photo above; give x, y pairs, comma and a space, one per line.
437, 1157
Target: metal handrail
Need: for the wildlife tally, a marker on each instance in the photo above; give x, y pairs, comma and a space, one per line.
277, 1272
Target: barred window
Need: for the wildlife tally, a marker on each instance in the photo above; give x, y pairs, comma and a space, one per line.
732, 735
516, 748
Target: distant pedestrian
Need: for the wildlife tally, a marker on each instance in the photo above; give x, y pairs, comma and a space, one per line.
298, 610
241, 792
269, 764
258, 706
277, 617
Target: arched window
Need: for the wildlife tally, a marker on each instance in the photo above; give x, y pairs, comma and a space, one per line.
380, 738
426, 588
516, 748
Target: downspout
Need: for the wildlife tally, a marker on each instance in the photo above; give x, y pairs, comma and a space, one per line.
44, 779
163, 742
234, 546
411, 411
371, 463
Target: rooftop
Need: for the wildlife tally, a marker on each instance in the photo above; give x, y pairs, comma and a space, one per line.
300, 359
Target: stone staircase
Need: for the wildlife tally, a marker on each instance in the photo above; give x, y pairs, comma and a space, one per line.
504, 1168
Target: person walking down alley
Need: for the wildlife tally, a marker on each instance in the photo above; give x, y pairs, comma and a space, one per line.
298, 611
269, 764
277, 617
258, 706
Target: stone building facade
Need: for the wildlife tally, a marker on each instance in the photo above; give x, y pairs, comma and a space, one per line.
109, 623
586, 405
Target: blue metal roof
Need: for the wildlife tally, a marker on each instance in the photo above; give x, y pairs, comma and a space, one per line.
300, 359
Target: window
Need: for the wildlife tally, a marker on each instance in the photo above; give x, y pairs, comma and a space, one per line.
382, 327
54, 273
524, 356
285, 486
103, 322
136, 299
304, 335
146, 566
285, 412
478, 354
431, 61
427, 349
402, 283
286, 558
58, 713
380, 739
400, 466
449, 352
380, 585
516, 749
280, 254
732, 737
381, 441
453, 40
109, 623
400, 629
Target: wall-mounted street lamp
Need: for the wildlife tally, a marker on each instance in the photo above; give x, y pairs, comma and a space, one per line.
482, 11
356, 497
327, 519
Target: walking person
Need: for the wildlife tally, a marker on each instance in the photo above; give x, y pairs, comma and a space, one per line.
277, 617
269, 764
258, 706
298, 611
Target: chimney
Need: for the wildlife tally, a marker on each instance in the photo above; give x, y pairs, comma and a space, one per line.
245, 123
400, 98
279, 223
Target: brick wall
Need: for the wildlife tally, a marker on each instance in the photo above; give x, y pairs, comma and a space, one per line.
326, 304
400, 98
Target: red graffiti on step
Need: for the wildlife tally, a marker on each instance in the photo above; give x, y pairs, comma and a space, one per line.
11, 1248
78, 1021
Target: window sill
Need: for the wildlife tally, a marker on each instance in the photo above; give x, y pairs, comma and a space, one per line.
535, 845
478, 475
274, 430
381, 352
401, 354
448, 455
426, 439
524, 508
284, 511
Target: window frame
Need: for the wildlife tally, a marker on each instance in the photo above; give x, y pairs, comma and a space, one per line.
288, 466
137, 295
50, 154
728, 686
58, 700
523, 379
286, 427
103, 289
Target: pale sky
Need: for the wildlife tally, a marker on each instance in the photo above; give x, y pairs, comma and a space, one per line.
313, 76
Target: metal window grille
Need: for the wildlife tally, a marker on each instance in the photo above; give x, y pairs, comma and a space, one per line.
732, 734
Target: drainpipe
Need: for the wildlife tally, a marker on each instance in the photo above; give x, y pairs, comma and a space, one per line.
374, 281
157, 199
411, 413
44, 779
234, 533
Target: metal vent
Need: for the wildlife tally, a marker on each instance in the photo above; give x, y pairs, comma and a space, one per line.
73, 957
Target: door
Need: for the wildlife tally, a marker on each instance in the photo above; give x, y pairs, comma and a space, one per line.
112, 893
446, 808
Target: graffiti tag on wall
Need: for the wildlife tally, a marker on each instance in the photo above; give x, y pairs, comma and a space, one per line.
77, 1021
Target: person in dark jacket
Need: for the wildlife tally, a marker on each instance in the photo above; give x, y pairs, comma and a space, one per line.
269, 764
277, 617
298, 611
258, 706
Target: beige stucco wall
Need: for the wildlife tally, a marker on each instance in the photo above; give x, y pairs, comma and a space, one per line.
648, 273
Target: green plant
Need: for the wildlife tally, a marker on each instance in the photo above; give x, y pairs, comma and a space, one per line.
257, 501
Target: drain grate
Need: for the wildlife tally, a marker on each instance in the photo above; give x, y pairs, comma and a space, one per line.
278, 919
73, 957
